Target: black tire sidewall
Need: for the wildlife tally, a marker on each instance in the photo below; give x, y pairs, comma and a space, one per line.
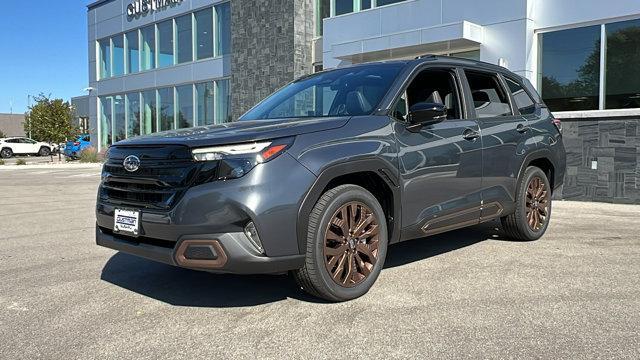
522, 206
350, 193
8, 151
44, 151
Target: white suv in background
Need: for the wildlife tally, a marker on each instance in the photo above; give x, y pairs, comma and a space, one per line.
23, 146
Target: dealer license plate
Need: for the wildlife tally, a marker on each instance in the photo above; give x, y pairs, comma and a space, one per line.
127, 222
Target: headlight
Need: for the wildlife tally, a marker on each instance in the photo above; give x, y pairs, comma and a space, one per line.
234, 161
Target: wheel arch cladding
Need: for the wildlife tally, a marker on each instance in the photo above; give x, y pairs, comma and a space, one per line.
547, 167
373, 175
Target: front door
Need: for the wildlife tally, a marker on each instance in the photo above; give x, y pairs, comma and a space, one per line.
440, 164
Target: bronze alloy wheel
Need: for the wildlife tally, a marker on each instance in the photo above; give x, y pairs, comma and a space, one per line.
537, 203
351, 244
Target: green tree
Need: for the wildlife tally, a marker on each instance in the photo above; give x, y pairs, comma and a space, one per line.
2, 135
50, 120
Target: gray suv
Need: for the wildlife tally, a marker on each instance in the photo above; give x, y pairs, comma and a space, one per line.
322, 176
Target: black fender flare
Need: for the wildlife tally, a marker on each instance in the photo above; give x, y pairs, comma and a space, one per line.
386, 172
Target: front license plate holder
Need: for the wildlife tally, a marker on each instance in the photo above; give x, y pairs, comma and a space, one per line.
126, 222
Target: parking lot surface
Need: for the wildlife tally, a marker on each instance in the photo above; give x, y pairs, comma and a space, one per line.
467, 294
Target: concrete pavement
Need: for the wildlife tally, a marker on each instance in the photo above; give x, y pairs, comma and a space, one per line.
466, 294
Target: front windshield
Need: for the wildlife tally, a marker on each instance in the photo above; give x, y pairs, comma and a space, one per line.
351, 91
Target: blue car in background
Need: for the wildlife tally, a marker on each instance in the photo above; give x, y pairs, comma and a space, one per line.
74, 148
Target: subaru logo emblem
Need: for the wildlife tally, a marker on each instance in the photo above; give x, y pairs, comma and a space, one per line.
131, 163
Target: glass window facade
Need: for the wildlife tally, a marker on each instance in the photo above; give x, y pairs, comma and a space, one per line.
133, 52
204, 33
140, 113
223, 29
118, 55
580, 69
104, 56
622, 89
165, 44
184, 106
341, 7
184, 32
570, 69
205, 103
148, 51
195, 36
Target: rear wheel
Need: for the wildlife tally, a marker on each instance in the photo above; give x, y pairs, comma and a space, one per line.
44, 151
6, 153
346, 245
533, 207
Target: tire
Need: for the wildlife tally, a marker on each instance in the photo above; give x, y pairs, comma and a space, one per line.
366, 254
6, 153
533, 207
44, 151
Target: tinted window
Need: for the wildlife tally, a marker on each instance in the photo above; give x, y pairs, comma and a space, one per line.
623, 54
165, 43
489, 98
185, 43
344, 92
522, 99
570, 69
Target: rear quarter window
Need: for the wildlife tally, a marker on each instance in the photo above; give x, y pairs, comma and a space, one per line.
526, 105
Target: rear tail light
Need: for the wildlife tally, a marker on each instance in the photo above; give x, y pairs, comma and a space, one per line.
558, 124
76, 143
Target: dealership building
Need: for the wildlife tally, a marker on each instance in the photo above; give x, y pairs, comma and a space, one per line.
163, 64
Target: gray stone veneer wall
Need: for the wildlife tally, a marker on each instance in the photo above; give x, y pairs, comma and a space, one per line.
603, 160
271, 46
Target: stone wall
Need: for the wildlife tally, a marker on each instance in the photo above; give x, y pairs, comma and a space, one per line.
603, 160
271, 46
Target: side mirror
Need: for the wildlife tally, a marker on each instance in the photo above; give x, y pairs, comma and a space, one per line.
424, 114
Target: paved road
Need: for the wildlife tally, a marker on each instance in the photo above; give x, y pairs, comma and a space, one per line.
468, 294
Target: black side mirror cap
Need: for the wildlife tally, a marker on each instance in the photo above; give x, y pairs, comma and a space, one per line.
425, 114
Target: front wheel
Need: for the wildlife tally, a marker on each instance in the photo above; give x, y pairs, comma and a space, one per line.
346, 245
6, 153
533, 207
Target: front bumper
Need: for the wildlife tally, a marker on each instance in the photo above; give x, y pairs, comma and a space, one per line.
219, 211
233, 253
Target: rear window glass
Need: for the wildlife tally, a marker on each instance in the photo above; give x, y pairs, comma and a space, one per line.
523, 101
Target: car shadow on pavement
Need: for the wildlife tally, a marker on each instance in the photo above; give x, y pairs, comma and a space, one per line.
183, 287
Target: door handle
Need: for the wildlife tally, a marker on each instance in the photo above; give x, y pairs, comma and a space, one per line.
470, 134
522, 128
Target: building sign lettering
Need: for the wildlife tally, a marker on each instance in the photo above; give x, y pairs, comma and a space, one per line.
143, 7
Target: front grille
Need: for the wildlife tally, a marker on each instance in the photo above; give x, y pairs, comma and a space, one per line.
164, 175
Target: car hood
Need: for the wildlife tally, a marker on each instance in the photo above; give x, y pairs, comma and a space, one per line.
237, 132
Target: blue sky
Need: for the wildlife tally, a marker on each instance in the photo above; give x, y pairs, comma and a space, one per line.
43, 49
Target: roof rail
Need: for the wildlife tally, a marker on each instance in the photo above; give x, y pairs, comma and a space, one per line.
425, 56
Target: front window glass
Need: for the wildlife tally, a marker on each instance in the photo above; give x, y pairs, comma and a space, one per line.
205, 105
118, 55
165, 97
223, 98
149, 113
119, 124
184, 96
343, 7
623, 55
223, 31
133, 52
204, 33
344, 92
570, 69
185, 43
105, 121
433, 87
133, 114
148, 51
105, 58
165, 43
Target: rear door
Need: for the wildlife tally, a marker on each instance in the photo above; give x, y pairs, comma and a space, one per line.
440, 164
505, 135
